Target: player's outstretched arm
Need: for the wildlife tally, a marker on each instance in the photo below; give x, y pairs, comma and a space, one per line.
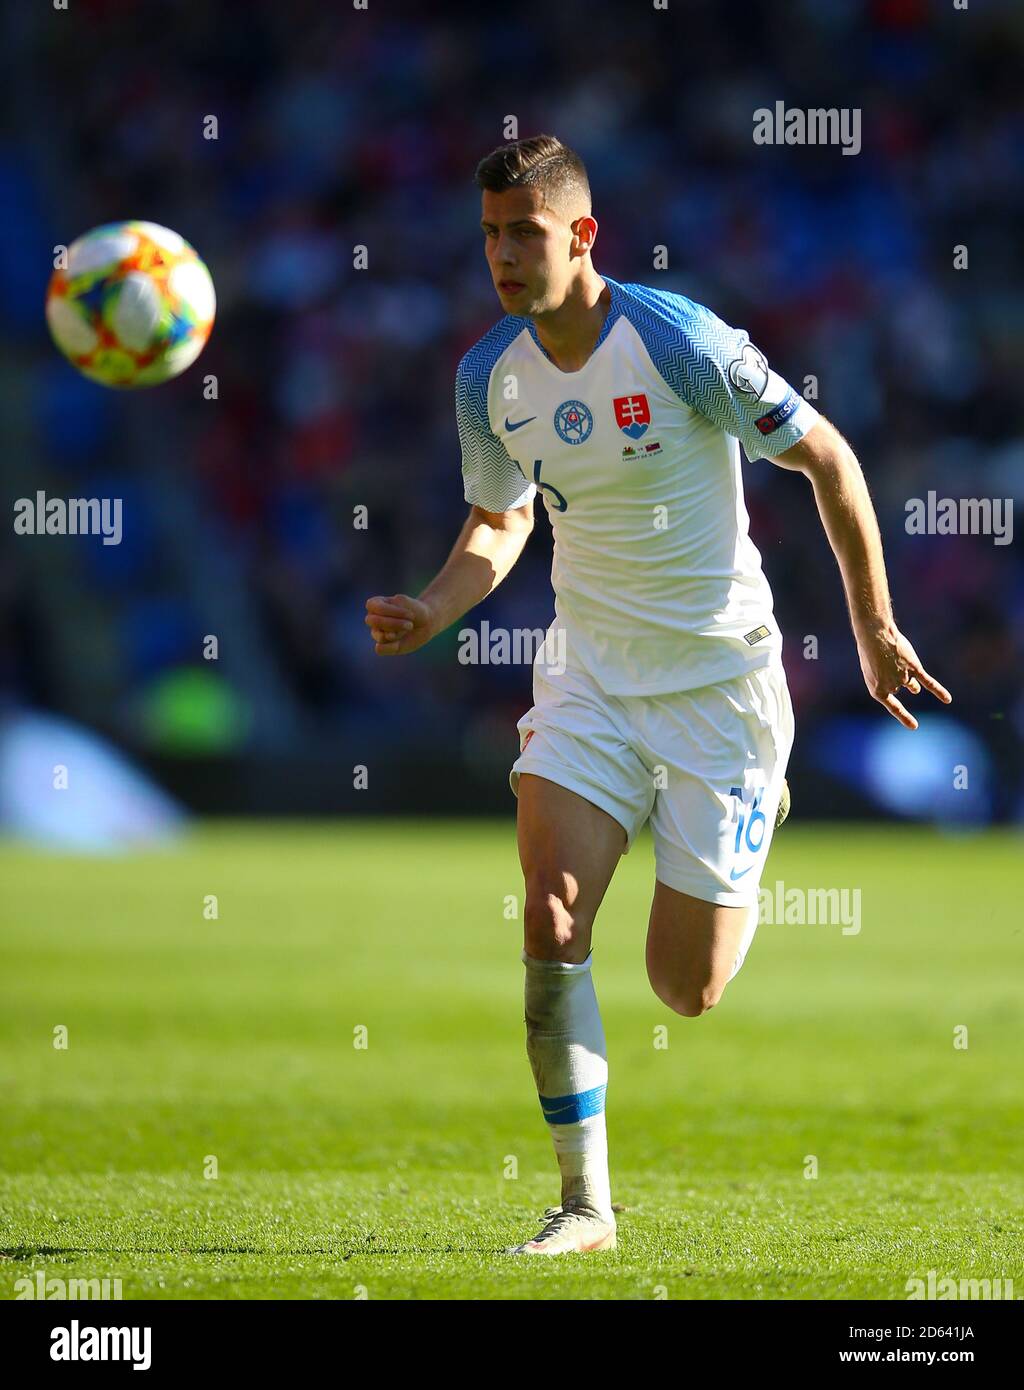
488, 546
887, 659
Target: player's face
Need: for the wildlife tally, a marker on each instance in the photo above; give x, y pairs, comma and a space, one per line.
528, 250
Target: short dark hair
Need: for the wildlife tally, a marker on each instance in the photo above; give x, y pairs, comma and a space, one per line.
543, 162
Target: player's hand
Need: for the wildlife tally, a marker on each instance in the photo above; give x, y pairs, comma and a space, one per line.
398, 623
890, 663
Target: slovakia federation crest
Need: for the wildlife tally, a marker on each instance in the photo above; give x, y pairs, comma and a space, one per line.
632, 414
573, 422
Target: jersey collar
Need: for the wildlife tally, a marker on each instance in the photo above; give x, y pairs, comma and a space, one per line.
614, 310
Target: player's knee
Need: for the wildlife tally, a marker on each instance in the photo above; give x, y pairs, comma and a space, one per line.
552, 929
690, 998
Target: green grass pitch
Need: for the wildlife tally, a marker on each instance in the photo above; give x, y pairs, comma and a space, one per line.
405, 1168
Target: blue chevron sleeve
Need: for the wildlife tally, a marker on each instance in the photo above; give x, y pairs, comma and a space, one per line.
719, 372
491, 477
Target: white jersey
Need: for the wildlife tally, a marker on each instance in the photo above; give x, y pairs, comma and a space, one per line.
657, 583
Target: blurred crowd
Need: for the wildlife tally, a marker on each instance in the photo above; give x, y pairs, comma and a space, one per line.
339, 128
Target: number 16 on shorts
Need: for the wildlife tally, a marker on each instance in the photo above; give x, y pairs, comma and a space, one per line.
750, 827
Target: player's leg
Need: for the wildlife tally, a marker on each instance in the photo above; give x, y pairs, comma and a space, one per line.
569, 849
583, 796
694, 948
712, 824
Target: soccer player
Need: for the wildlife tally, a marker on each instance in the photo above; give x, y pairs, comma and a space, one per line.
659, 692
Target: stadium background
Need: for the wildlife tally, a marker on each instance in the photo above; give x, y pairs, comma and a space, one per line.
213, 984
335, 386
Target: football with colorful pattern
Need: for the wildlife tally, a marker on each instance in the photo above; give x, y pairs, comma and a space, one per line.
133, 306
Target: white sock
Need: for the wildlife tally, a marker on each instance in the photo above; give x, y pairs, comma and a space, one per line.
566, 1047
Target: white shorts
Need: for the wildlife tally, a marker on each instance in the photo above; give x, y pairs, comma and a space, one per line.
705, 766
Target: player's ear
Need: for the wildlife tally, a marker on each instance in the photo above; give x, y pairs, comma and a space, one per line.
584, 229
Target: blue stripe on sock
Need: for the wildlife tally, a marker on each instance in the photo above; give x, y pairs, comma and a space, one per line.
566, 1110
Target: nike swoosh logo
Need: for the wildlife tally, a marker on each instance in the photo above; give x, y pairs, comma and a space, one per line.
734, 875
518, 424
